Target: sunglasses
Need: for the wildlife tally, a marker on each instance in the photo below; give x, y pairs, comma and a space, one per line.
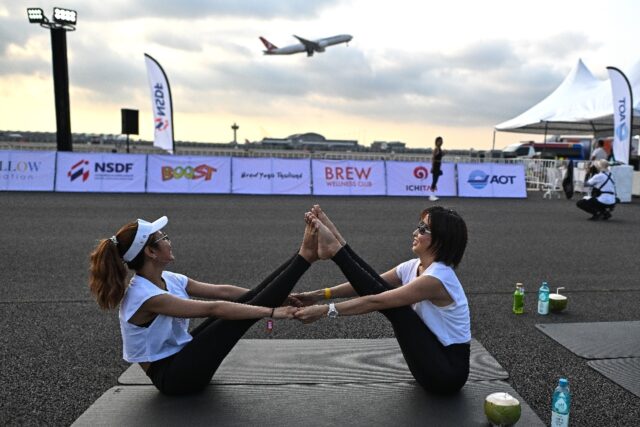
423, 228
164, 237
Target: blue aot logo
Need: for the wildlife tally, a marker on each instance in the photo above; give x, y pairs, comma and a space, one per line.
478, 179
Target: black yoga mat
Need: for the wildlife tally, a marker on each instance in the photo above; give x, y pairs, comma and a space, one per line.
597, 340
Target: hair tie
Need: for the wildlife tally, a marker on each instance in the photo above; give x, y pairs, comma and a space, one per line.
114, 240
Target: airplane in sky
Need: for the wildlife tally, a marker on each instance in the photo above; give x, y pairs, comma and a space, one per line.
309, 46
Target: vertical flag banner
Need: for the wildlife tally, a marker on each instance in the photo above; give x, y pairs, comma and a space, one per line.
622, 114
161, 104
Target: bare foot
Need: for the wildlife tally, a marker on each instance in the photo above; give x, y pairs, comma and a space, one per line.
308, 217
309, 247
328, 245
319, 213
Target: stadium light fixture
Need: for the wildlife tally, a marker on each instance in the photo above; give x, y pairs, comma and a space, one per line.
35, 15
65, 16
63, 20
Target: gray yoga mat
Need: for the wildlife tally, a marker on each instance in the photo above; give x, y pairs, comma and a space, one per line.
624, 372
597, 340
256, 361
362, 404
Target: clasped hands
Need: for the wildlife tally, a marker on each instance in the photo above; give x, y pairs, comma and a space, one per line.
305, 307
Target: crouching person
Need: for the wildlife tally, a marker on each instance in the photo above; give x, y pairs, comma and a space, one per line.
603, 193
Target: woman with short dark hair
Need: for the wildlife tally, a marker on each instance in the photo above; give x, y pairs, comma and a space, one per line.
155, 306
422, 298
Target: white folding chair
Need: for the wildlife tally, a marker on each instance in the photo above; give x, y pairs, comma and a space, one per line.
553, 184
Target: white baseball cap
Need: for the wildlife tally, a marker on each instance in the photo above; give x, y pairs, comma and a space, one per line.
145, 229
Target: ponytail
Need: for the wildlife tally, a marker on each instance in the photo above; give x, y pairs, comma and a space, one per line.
108, 272
107, 275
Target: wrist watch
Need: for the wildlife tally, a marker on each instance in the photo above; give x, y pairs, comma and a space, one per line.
333, 312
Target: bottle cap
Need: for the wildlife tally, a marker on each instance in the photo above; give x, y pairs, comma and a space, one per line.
563, 382
519, 285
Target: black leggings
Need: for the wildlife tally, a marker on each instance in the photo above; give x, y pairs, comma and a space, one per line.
438, 369
593, 206
191, 369
435, 175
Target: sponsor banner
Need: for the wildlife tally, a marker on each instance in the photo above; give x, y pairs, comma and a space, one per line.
491, 180
97, 172
622, 114
348, 177
27, 170
271, 176
161, 104
414, 179
188, 174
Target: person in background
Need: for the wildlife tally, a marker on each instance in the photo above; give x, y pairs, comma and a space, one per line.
603, 192
155, 306
436, 171
599, 153
422, 298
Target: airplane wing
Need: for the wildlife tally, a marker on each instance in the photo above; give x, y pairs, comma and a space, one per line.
309, 45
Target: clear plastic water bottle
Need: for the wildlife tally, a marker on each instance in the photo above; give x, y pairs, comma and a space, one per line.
518, 299
543, 299
560, 404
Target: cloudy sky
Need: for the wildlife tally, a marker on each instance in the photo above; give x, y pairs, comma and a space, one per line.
414, 69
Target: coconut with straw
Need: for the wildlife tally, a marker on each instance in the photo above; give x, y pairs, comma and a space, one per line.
557, 302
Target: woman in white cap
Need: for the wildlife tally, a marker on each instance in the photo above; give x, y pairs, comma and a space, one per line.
155, 306
603, 193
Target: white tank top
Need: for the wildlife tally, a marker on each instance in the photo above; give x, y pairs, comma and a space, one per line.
166, 335
450, 324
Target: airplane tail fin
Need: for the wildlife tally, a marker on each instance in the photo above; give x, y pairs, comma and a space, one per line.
270, 46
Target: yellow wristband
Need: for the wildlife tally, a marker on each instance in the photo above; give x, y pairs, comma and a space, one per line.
327, 293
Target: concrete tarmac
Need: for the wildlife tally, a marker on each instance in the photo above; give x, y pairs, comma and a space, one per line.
60, 352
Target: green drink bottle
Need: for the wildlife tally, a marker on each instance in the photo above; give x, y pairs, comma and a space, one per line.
518, 299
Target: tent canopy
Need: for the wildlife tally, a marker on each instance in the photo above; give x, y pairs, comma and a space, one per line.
581, 105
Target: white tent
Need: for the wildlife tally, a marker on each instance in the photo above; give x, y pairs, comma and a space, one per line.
581, 105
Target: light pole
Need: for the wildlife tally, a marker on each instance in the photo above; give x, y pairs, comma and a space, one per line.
63, 20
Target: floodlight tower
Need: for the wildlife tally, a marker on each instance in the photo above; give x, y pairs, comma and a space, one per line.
63, 20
